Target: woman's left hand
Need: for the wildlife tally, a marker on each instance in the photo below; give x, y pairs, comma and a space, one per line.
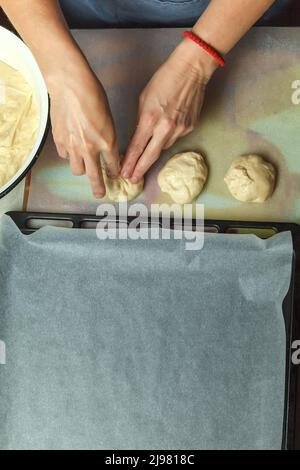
169, 107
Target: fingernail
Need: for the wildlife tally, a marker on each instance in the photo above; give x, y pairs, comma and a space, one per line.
125, 174
99, 195
134, 179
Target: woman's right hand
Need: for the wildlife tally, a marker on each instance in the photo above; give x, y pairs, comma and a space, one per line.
82, 124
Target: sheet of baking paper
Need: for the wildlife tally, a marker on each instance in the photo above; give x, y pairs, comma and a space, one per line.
121, 344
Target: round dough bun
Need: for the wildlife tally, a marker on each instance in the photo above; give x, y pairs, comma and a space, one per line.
183, 177
251, 179
122, 190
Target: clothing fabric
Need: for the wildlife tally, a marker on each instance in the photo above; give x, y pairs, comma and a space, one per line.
149, 13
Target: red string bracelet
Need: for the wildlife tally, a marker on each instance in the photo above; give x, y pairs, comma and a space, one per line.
209, 49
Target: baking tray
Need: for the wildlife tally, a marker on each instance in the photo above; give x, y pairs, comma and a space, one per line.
30, 222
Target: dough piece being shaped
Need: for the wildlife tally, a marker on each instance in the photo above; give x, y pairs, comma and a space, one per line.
251, 179
183, 177
19, 121
122, 190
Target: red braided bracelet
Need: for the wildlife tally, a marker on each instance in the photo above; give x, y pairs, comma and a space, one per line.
209, 49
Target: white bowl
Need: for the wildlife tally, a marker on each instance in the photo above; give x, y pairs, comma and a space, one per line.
15, 53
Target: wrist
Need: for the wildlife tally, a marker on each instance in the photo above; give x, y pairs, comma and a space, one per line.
63, 72
199, 61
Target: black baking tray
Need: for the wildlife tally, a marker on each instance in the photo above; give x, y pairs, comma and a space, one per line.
30, 222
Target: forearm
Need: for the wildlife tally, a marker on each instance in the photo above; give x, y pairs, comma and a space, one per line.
222, 25
42, 26
225, 22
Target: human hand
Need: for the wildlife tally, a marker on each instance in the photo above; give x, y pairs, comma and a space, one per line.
169, 107
82, 125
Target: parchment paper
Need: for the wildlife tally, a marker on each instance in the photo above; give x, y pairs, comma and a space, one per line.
121, 344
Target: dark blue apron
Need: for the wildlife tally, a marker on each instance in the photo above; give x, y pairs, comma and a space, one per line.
146, 13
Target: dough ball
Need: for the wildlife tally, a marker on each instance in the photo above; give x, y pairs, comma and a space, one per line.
183, 177
122, 190
251, 179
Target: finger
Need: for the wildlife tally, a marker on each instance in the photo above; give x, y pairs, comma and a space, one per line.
76, 160
139, 142
77, 164
173, 139
60, 145
150, 155
94, 173
112, 160
178, 134
62, 151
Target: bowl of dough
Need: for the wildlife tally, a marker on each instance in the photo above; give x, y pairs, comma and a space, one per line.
24, 111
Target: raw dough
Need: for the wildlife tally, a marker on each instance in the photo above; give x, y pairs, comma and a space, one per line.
183, 177
122, 190
251, 179
19, 121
